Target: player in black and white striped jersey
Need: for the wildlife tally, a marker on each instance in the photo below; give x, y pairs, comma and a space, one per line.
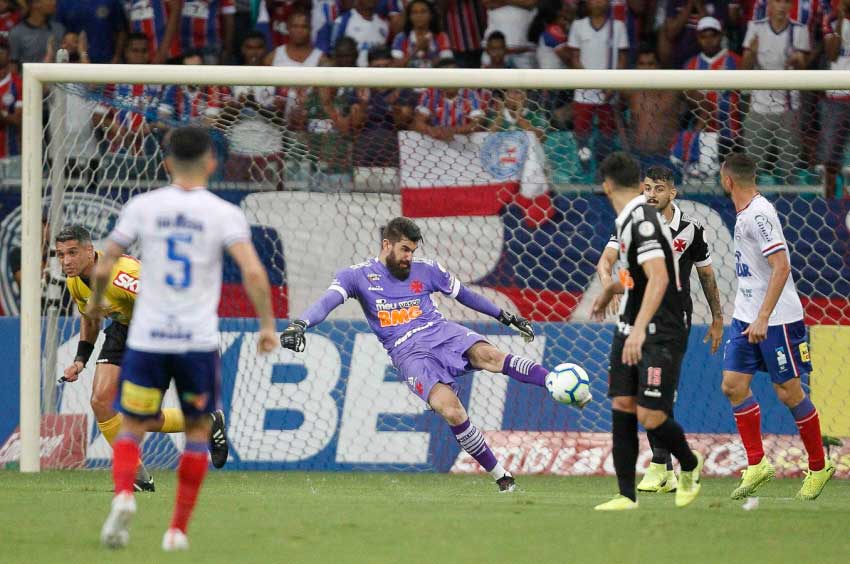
648, 345
690, 249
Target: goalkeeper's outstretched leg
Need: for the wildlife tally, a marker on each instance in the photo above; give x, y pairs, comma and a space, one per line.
445, 402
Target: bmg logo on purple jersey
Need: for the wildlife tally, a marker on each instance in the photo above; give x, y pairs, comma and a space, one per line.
397, 313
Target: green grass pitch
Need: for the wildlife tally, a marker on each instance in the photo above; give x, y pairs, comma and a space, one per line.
55, 517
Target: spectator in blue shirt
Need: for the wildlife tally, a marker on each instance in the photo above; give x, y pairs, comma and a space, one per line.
103, 21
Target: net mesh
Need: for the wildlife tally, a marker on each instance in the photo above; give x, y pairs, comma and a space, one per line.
503, 184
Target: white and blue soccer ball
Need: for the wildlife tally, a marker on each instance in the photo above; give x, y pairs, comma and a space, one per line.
569, 383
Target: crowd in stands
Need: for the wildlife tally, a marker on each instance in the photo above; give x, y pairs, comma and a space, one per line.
799, 137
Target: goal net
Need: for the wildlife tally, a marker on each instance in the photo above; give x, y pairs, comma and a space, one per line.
500, 172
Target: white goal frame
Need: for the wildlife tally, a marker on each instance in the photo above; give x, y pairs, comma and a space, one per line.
36, 76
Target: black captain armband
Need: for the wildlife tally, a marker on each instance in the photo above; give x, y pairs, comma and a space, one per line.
84, 350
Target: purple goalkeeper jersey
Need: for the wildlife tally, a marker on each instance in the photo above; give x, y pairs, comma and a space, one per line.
397, 310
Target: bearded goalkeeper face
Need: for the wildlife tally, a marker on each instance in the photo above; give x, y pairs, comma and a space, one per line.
401, 238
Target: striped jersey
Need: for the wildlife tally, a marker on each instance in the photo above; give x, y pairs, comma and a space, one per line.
758, 234
450, 112
7, 21
405, 46
193, 103
553, 37
10, 100
201, 23
643, 235
724, 116
464, 24
809, 13
690, 249
150, 18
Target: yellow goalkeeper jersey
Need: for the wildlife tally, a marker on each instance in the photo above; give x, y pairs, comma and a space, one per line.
120, 294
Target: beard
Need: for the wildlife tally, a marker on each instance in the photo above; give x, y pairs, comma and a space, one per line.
396, 268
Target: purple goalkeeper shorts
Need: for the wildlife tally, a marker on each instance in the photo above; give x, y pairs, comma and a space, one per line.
436, 357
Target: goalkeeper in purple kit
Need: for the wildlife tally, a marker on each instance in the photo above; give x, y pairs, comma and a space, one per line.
428, 351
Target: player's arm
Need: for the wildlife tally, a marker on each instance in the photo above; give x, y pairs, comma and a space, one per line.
780, 269
88, 336
256, 283
608, 299
712, 295
477, 302
340, 289
657, 280
449, 285
172, 25
700, 252
96, 308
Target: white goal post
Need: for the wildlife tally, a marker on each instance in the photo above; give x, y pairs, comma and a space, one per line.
38, 76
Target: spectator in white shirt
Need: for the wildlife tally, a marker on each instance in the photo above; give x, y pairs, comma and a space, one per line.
364, 26
513, 18
597, 42
771, 129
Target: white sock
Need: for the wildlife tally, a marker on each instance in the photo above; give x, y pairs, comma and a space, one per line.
498, 471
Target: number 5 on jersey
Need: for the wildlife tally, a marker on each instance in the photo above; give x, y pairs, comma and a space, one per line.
184, 280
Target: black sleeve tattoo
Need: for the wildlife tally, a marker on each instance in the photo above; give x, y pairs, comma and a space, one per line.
711, 291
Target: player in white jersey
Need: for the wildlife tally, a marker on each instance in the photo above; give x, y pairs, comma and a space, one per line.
183, 230
767, 334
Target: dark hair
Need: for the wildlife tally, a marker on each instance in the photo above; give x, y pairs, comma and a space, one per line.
254, 34
402, 228
621, 169
187, 144
495, 36
446, 62
741, 166
191, 53
379, 52
660, 173
433, 26
547, 12
74, 233
301, 12
647, 48
135, 36
345, 41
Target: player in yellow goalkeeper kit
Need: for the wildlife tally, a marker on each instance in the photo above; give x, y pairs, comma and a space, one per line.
77, 256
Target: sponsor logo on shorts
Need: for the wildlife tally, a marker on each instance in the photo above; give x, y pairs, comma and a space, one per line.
781, 358
140, 399
198, 401
127, 282
651, 393
653, 376
805, 356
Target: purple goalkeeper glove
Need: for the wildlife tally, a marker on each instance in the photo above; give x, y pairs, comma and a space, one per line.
518, 323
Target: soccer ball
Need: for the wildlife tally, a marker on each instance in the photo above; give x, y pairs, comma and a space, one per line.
569, 384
